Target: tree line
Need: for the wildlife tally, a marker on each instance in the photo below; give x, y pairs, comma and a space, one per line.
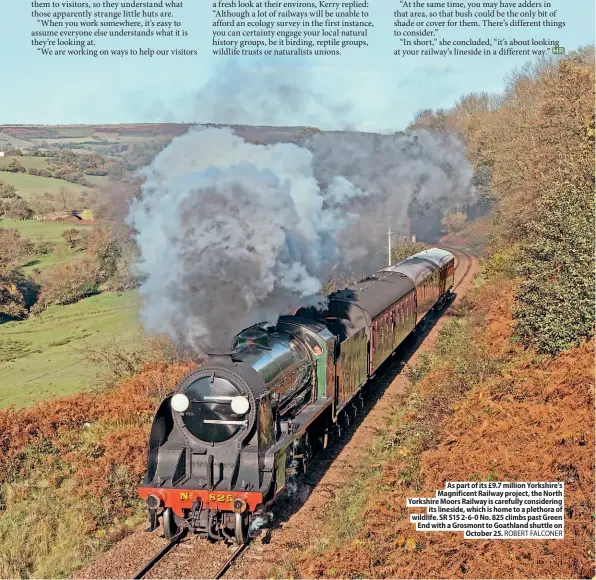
532, 149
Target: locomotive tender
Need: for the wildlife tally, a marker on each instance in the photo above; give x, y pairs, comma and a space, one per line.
225, 443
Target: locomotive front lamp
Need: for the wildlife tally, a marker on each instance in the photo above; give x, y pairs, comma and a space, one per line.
154, 501
240, 405
239, 505
180, 402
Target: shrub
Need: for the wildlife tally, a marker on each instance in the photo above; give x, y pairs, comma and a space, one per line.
69, 283
17, 209
7, 190
400, 253
503, 263
11, 302
15, 166
123, 360
34, 247
44, 247
41, 206
105, 251
555, 300
75, 238
123, 278
11, 249
18, 293
39, 172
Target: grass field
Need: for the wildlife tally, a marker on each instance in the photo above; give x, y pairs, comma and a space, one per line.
97, 179
27, 161
55, 258
43, 356
48, 231
29, 186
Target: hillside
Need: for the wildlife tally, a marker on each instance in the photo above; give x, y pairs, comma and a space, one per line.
478, 409
45, 355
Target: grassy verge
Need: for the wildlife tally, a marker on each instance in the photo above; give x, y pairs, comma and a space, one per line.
44, 355
478, 408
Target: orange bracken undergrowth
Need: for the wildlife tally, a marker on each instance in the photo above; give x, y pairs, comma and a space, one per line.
532, 421
96, 441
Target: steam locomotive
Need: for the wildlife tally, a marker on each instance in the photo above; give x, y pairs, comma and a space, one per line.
234, 432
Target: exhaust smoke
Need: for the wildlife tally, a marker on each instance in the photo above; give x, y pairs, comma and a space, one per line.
394, 170
232, 233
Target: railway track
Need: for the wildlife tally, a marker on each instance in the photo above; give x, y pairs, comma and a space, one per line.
141, 573
462, 268
467, 263
159, 556
230, 561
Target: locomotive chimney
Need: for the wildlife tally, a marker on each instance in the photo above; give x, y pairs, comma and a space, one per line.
215, 354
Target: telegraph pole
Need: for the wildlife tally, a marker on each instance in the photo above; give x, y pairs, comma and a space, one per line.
389, 246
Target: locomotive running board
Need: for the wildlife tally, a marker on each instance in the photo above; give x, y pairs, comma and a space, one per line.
308, 415
302, 421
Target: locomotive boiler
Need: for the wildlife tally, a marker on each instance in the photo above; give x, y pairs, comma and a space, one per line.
234, 431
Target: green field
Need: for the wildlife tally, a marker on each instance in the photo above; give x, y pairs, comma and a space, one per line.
46, 231
56, 258
29, 186
27, 161
44, 355
97, 179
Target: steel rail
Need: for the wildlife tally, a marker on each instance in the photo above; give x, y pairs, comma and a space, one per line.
159, 556
230, 561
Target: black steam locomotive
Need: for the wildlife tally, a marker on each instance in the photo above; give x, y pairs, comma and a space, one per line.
225, 443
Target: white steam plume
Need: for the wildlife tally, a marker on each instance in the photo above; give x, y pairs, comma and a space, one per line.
233, 233
230, 234
393, 169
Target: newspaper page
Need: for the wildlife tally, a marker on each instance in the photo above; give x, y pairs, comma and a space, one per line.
297, 289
